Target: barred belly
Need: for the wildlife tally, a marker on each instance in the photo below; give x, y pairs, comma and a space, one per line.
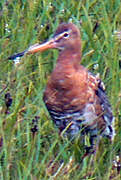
69, 120
75, 122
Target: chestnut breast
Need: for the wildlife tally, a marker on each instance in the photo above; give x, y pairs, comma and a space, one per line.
68, 87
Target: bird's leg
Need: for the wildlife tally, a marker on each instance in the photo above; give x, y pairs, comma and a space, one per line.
93, 148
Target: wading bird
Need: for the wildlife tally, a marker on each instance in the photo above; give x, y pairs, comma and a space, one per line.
74, 97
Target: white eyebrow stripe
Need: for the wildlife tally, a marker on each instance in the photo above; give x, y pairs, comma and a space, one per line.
57, 37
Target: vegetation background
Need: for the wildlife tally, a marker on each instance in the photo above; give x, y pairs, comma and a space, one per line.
30, 147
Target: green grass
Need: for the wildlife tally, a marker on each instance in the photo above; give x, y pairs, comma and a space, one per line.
23, 23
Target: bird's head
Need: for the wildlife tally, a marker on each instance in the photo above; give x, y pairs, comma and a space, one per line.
67, 36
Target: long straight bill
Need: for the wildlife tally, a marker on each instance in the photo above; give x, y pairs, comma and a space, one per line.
42, 47
33, 49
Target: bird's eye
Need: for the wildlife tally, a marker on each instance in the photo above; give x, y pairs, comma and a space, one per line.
66, 35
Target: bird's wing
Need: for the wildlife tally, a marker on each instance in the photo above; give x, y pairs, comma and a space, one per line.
106, 108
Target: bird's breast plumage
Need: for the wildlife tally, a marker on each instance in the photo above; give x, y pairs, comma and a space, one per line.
76, 101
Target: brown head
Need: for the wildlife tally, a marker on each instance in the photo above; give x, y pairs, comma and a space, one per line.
66, 37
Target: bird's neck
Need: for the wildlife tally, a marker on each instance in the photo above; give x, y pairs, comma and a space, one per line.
70, 57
